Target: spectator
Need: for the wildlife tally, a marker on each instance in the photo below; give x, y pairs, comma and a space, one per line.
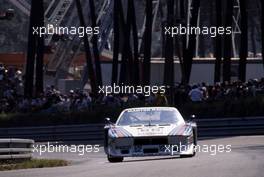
196, 95
11, 95
161, 100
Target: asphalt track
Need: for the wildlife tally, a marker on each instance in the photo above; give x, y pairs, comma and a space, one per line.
245, 160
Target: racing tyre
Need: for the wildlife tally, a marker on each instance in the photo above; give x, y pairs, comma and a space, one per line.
194, 152
114, 159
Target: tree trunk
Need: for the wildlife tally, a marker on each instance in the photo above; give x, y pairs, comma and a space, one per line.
126, 60
147, 43
182, 9
218, 42
228, 42
95, 45
40, 52
243, 42
31, 52
169, 60
178, 42
262, 29
89, 61
188, 53
127, 45
135, 42
116, 42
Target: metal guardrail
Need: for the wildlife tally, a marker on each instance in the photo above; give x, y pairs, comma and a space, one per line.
94, 132
231, 126
13, 149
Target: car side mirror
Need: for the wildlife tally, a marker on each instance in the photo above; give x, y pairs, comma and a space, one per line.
108, 120
193, 117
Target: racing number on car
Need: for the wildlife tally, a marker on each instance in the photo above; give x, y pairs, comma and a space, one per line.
150, 131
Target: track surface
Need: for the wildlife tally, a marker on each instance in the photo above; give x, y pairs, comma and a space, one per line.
245, 160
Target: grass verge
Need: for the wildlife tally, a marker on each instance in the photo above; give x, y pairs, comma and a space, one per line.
33, 163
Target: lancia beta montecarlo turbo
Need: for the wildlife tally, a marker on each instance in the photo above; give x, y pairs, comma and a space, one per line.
149, 131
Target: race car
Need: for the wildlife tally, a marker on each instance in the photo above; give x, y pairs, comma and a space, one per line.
149, 131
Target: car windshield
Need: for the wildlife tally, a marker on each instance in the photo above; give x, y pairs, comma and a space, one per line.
149, 117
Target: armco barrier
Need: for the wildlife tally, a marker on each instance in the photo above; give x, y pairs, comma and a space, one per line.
94, 132
231, 126
14, 149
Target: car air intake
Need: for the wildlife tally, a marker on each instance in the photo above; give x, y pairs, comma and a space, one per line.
125, 151
146, 151
151, 141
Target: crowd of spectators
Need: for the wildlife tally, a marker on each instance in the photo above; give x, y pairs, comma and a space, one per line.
52, 100
220, 91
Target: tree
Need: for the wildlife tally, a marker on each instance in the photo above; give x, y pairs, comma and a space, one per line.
147, 43
89, 62
218, 42
40, 52
31, 51
95, 45
262, 28
34, 52
180, 40
169, 60
243, 42
228, 42
129, 64
126, 60
116, 41
135, 42
188, 53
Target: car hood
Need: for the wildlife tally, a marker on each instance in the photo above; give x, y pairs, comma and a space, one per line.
153, 130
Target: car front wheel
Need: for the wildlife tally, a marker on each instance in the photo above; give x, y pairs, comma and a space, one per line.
114, 159
194, 151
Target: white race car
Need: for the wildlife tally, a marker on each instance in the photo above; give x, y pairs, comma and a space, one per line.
150, 131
